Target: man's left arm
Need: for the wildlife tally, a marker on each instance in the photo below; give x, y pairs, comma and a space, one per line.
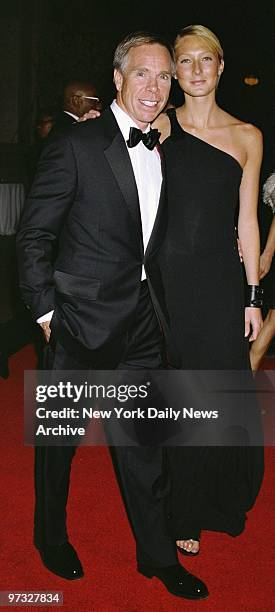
44, 215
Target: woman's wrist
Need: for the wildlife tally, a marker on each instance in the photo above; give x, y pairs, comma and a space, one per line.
268, 252
253, 296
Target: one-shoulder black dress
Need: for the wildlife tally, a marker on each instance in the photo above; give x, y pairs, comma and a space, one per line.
212, 487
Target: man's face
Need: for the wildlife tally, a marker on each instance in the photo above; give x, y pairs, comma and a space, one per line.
143, 86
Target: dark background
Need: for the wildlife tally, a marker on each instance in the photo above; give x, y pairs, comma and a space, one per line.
45, 42
79, 38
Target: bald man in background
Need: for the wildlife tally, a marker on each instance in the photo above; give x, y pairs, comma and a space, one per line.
79, 97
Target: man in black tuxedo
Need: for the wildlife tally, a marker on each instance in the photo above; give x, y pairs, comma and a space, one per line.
99, 191
79, 97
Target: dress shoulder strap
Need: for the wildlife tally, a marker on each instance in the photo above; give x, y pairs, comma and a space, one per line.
176, 129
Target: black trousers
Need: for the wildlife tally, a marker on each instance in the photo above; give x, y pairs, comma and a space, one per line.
138, 469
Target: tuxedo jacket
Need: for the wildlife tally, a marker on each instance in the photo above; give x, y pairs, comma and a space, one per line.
84, 199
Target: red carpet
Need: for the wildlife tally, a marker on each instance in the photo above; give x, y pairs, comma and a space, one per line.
239, 572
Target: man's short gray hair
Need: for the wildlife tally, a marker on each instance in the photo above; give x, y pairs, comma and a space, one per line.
136, 40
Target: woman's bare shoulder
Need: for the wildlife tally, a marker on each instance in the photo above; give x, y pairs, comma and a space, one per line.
251, 133
245, 135
251, 138
246, 130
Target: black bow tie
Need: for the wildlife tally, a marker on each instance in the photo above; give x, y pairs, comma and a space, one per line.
149, 139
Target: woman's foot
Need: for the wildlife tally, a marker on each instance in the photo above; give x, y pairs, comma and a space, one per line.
189, 546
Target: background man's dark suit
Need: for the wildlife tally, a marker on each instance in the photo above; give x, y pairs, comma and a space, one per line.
97, 298
63, 120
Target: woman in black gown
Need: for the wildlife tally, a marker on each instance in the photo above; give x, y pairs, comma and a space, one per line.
213, 162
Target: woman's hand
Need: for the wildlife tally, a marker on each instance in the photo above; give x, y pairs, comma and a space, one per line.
265, 262
92, 114
240, 250
253, 321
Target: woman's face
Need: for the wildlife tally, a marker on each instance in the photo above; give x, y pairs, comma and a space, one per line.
198, 69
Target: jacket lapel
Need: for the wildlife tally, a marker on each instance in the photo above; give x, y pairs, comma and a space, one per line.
160, 221
118, 158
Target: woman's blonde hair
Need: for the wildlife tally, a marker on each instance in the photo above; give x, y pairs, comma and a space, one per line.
205, 34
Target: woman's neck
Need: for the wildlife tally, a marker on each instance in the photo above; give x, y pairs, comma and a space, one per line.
200, 113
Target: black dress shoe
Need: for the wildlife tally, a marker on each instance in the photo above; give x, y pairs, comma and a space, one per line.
177, 580
62, 560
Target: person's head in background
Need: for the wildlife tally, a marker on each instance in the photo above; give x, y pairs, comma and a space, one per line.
45, 123
80, 97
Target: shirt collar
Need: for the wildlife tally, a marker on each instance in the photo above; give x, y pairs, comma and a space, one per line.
71, 115
125, 122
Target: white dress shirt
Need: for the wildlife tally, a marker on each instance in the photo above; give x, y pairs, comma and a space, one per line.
147, 170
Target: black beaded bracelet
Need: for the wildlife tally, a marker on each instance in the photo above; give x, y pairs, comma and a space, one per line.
254, 296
